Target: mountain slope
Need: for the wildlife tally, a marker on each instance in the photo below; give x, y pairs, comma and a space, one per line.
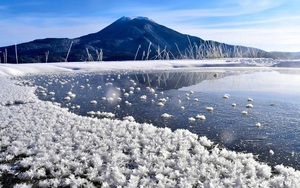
127, 39
126, 34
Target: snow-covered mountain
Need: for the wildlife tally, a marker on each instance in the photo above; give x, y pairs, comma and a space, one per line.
127, 38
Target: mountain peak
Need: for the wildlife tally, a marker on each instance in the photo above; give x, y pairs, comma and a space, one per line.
126, 18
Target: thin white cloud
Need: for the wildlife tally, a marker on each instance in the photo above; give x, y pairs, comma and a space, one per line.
236, 8
275, 20
261, 3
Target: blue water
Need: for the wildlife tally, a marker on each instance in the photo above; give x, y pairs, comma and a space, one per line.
275, 93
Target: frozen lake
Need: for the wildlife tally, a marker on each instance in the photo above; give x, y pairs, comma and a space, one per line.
185, 94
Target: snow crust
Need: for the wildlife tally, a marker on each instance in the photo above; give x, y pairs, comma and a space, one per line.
36, 68
46, 146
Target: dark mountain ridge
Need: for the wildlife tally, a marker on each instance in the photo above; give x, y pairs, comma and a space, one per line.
136, 38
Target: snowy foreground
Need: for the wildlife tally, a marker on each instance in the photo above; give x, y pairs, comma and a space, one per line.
46, 146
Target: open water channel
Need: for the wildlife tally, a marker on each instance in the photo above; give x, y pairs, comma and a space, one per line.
255, 110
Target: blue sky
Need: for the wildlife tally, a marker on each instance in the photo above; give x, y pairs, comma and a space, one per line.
272, 25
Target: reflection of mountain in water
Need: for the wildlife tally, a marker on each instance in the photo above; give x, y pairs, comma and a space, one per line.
176, 80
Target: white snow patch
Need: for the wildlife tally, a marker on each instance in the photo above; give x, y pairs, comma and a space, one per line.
36, 68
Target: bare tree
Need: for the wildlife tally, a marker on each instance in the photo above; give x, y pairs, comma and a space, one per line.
47, 55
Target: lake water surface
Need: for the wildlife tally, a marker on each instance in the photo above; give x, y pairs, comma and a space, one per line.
186, 94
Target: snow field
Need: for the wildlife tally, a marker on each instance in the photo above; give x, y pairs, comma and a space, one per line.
37, 68
47, 146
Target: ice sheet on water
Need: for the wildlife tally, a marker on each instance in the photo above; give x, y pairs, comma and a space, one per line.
53, 147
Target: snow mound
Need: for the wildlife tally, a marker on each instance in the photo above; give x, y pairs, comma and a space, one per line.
129, 118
